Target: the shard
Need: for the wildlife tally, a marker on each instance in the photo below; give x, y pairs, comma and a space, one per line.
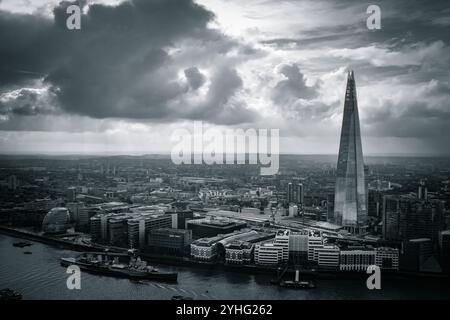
350, 198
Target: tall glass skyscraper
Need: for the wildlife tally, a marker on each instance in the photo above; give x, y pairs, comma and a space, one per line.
350, 199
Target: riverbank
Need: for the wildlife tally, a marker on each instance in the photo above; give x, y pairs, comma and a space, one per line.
185, 261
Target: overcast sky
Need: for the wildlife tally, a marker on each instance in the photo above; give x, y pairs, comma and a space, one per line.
139, 69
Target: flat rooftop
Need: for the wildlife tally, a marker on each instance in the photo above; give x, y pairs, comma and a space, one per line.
247, 216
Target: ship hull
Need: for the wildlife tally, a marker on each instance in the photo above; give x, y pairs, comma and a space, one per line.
107, 271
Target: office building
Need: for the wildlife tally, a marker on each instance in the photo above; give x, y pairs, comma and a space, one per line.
387, 258
295, 193
327, 257
315, 240
82, 221
181, 217
350, 200
375, 204
74, 209
239, 252
210, 227
293, 210
298, 247
136, 232
139, 228
205, 249
422, 192
407, 217
415, 253
356, 260
168, 240
330, 207
267, 253
12, 182
95, 228
117, 231
71, 194
444, 250
282, 240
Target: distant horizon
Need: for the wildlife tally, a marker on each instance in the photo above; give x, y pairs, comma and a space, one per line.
162, 153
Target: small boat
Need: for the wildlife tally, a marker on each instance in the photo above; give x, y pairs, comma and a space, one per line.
22, 244
298, 284
274, 281
9, 294
27, 252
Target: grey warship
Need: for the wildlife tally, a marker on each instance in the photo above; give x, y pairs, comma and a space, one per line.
118, 265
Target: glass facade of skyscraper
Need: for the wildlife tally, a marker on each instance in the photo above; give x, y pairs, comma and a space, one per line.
350, 201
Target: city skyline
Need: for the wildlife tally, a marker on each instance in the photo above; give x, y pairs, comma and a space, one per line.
227, 217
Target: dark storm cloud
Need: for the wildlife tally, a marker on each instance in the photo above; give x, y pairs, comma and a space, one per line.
223, 83
119, 63
401, 21
25, 53
293, 87
425, 114
195, 78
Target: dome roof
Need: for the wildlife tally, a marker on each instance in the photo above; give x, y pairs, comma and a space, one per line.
56, 220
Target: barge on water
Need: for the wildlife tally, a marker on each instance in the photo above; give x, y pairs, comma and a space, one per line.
118, 265
22, 244
298, 284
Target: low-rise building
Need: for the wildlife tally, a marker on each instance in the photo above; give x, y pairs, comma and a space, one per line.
204, 249
357, 260
210, 227
267, 253
238, 252
327, 257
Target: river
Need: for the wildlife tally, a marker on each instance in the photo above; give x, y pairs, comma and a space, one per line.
40, 276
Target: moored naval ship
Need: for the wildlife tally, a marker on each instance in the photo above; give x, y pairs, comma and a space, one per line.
118, 265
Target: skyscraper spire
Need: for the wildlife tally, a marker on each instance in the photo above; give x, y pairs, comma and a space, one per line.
350, 200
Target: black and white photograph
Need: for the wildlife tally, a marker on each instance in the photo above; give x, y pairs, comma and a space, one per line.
247, 151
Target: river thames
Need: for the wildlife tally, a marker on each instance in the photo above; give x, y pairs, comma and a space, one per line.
40, 276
